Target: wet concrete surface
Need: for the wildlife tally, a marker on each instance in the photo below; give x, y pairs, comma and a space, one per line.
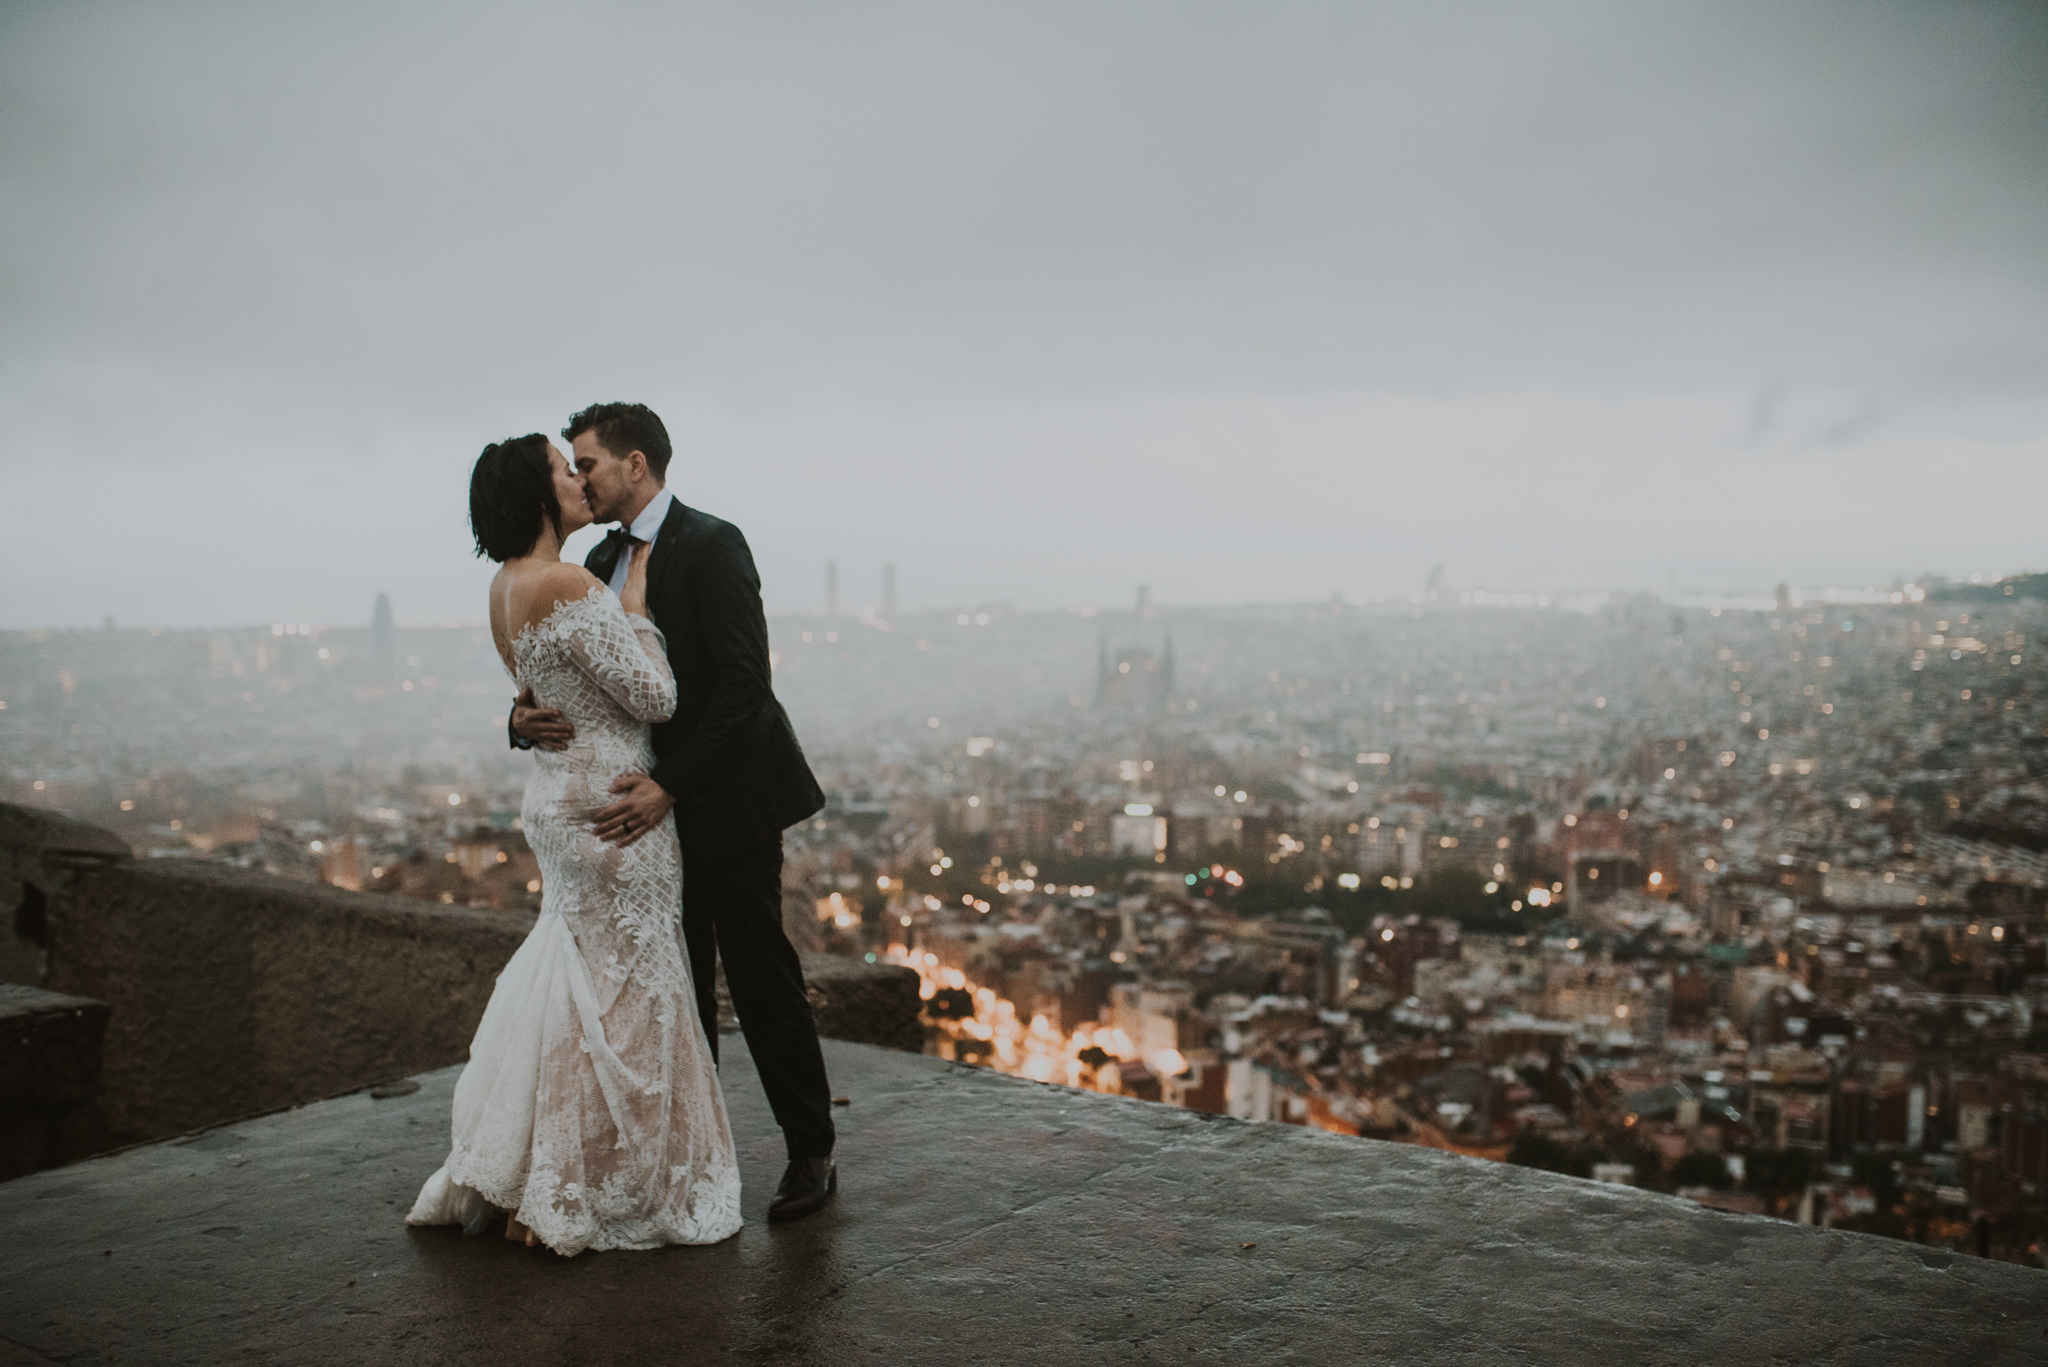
980, 1220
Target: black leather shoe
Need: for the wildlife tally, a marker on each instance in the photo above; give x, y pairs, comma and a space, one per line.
807, 1184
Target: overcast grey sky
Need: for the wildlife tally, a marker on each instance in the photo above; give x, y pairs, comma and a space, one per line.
1251, 302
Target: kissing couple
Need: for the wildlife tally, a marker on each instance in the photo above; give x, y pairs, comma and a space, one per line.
589, 1114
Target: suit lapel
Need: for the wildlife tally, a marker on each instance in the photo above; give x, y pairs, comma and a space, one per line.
663, 562
665, 541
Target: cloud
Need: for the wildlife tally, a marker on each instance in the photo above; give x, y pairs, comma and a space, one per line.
360, 242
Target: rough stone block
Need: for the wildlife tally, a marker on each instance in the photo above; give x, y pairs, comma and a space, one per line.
865, 1003
50, 1078
40, 852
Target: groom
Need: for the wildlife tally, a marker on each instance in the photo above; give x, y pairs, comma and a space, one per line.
727, 764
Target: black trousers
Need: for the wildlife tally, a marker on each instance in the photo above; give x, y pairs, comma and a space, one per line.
732, 907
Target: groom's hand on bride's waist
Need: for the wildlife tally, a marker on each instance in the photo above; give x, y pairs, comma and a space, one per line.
543, 726
641, 805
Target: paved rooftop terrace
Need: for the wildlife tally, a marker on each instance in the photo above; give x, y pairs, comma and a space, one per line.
981, 1220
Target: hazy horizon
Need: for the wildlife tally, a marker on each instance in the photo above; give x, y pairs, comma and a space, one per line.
863, 609
1249, 304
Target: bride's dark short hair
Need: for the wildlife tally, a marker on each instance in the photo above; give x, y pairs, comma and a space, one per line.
511, 491
622, 429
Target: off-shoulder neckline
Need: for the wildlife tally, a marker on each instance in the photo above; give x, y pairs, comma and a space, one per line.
534, 626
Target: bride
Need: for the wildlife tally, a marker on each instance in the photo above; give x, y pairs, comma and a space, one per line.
589, 1114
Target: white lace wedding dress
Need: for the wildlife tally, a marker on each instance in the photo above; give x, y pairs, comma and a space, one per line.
590, 1106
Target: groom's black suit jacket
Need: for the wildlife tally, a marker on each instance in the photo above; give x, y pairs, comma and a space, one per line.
728, 756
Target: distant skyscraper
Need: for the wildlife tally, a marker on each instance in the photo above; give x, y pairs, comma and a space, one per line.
889, 591
383, 640
831, 588
1133, 675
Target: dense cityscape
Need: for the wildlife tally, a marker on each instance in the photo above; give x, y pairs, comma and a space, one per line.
1740, 899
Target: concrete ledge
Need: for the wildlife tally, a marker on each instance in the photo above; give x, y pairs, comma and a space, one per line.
981, 1220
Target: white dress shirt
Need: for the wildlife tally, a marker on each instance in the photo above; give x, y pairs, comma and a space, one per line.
644, 528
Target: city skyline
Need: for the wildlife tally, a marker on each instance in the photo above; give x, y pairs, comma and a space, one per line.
1742, 902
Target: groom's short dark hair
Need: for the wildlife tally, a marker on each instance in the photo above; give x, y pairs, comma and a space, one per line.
623, 428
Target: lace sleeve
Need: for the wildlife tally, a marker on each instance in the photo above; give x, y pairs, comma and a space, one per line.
627, 656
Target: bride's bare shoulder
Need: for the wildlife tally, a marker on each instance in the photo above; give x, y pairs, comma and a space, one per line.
559, 584
566, 581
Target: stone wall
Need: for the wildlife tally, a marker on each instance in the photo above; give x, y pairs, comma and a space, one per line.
233, 991
229, 992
